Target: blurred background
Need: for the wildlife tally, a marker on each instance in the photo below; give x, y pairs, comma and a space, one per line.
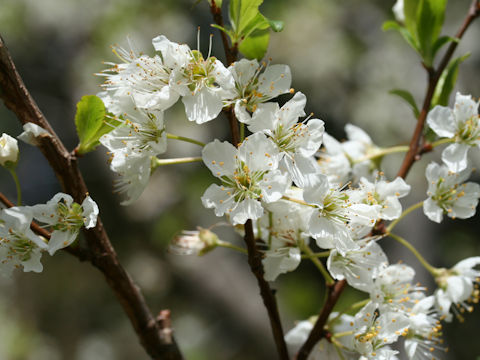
339, 58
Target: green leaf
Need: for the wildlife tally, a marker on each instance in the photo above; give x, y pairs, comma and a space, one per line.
276, 25
408, 97
393, 25
410, 8
90, 123
430, 16
255, 46
441, 41
447, 81
242, 12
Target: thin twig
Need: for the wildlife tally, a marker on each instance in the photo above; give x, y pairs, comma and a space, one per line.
18, 99
415, 147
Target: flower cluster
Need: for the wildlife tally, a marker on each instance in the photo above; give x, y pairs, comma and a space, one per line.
294, 182
21, 247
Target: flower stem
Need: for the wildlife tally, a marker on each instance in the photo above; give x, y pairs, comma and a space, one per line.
317, 255
228, 245
406, 212
311, 255
156, 162
17, 185
442, 141
242, 131
301, 202
182, 138
343, 333
431, 269
383, 152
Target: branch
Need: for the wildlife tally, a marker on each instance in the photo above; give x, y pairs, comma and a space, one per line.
231, 53
318, 330
103, 256
415, 149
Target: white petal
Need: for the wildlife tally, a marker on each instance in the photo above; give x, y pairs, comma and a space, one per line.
218, 198
243, 71
312, 139
30, 133
203, 106
432, 210
33, 263
441, 120
241, 113
397, 187
354, 133
264, 117
246, 209
274, 185
219, 157
465, 107
317, 192
90, 212
60, 240
275, 80
292, 110
280, 261
303, 170
259, 153
455, 157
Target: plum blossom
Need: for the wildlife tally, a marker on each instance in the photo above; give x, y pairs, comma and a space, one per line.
249, 175
448, 194
458, 286
383, 193
337, 218
296, 142
461, 124
19, 246
254, 87
359, 267
66, 218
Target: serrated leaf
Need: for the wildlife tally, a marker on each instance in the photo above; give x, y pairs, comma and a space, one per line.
276, 25
255, 46
407, 97
90, 123
447, 81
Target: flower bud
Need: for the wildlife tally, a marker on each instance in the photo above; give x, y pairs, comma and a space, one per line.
8, 150
197, 242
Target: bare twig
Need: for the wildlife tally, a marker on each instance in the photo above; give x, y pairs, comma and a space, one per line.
17, 98
415, 148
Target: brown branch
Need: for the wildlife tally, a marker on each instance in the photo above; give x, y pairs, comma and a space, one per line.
231, 52
415, 148
255, 262
103, 256
318, 330
254, 256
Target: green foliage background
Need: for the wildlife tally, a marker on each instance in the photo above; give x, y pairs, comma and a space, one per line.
339, 58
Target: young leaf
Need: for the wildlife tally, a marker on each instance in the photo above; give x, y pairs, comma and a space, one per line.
393, 25
90, 123
447, 81
242, 12
430, 18
408, 97
255, 46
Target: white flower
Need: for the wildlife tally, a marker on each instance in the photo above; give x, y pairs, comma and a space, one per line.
19, 246
203, 85
372, 331
383, 193
333, 162
459, 287
296, 142
424, 333
336, 218
460, 124
360, 266
8, 150
447, 194
280, 261
393, 289
66, 218
398, 11
249, 174
31, 132
133, 175
254, 87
